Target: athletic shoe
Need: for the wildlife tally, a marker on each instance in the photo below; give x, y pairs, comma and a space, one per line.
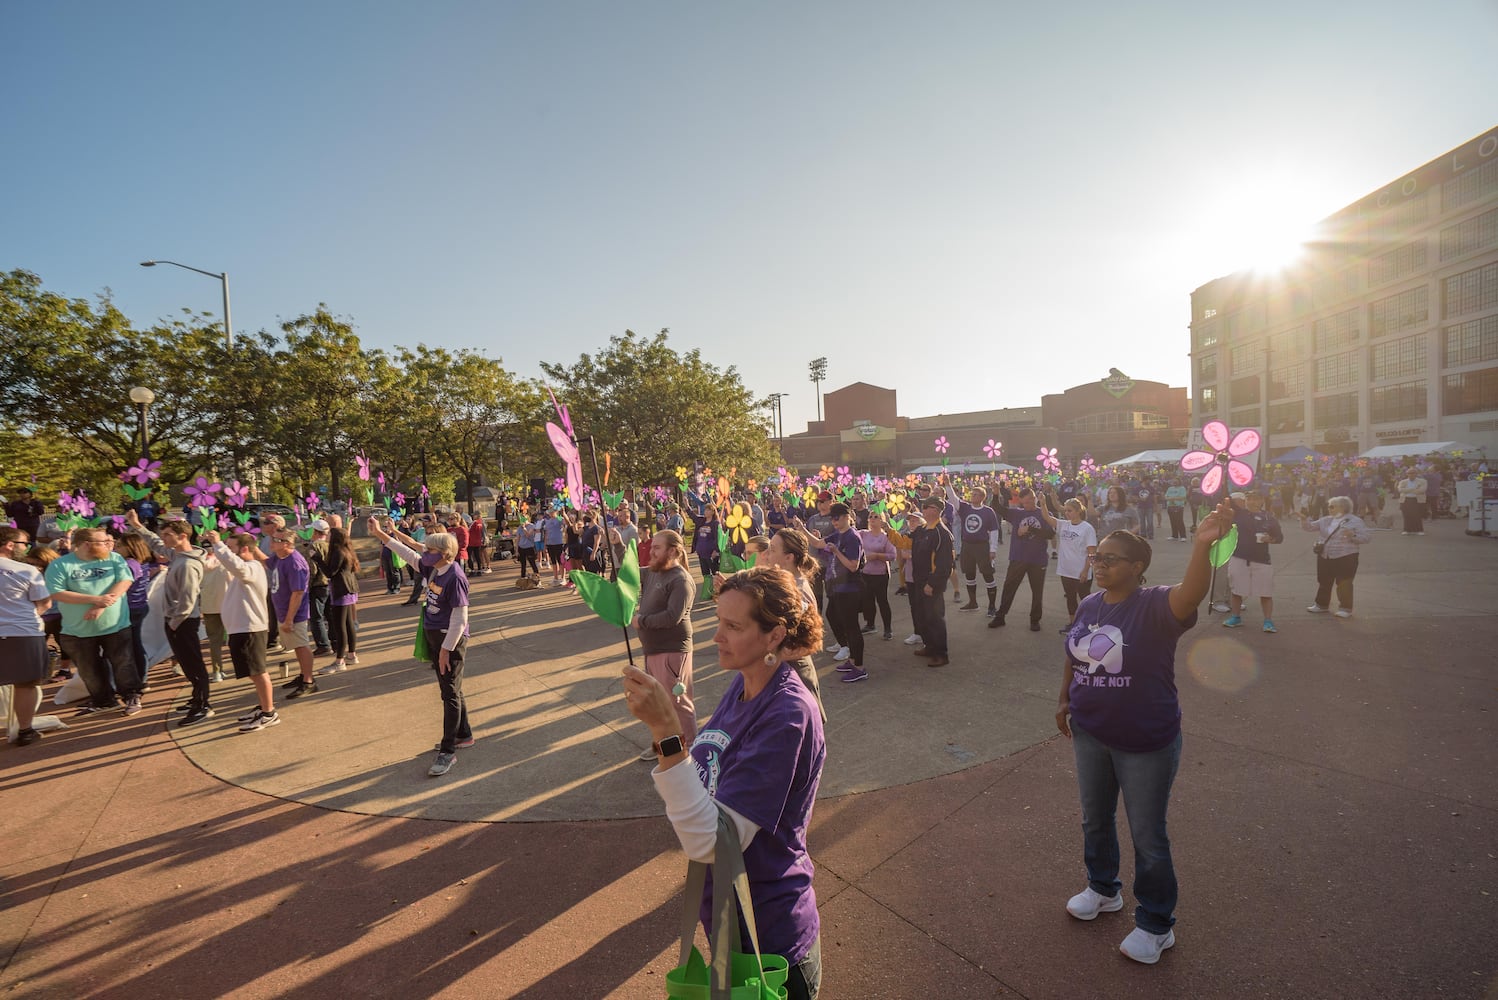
132, 705
92, 709
336, 667
833, 649
913, 639
275, 648
647, 754
217, 676
323, 651
465, 744
843, 654
293, 684
1404, 532
1053, 555
1342, 613
352, 657
901, 592
843, 668
260, 720
866, 629
27, 736
854, 676
310, 687
1222, 607
1142, 946
937, 661
887, 635
196, 715
1233, 622
997, 621
1035, 626
1316, 609
923, 651
991, 612
1269, 625
969, 606
442, 764
1088, 903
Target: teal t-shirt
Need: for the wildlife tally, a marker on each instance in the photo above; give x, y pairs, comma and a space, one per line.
97, 576
1175, 496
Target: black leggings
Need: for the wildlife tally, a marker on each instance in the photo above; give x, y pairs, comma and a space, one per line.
1075, 590
842, 612
341, 629
1177, 522
528, 557
876, 595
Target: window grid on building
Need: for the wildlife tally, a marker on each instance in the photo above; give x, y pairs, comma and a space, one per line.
1206, 367
1471, 291
1288, 382
1399, 221
1130, 420
1336, 330
1398, 358
1285, 417
1206, 334
1248, 417
1288, 346
1476, 233
1336, 371
1209, 399
1396, 264
1470, 392
1248, 357
1470, 342
1466, 188
1399, 312
1245, 390
1340, 410
1404, 401
1336, 287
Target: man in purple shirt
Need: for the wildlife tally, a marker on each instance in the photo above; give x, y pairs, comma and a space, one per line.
288, 579
1028, 554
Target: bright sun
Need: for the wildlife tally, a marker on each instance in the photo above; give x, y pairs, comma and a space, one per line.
1263, 223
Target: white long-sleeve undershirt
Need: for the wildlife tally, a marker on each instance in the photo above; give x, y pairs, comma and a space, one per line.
693, 814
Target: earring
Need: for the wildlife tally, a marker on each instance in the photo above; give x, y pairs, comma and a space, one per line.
771, 658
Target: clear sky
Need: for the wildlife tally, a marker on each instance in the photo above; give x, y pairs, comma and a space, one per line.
973, 203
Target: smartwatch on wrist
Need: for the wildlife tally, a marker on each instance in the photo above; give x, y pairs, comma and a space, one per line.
668, 747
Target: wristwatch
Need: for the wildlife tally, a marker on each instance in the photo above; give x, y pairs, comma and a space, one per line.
668, 747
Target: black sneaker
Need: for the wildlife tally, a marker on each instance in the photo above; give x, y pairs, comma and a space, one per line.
92, 709
309, 687
323, 651
969, 606
992, 611
196, 715
1035, 626
997, 621
866, 629
293, 684
888, 635
260, 720
27, 736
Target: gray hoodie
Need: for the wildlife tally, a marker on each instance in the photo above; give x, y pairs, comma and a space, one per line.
184, 579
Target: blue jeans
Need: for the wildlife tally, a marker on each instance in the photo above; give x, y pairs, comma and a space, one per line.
805, 979
1145, 779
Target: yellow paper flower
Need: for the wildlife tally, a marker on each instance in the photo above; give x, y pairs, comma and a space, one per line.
895, 504
681, 473
738, 523
809, 494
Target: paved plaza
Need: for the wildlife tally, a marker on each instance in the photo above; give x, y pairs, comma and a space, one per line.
1335, 820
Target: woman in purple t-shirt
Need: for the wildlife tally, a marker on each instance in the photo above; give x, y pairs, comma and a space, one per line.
1119, 706
758, 759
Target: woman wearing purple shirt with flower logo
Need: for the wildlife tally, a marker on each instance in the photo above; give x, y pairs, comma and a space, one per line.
445, 619
1120, 708
759, 759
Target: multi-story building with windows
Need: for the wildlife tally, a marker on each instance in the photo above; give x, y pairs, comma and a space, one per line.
1385, 331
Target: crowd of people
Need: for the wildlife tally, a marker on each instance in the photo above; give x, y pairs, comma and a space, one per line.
823, 567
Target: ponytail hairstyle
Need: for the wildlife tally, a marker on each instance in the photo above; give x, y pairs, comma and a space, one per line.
776, 600
798, 546
1136, 548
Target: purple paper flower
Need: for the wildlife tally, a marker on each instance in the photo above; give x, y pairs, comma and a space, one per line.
143, 471
82, 505
65, 501
201, 492
237, 494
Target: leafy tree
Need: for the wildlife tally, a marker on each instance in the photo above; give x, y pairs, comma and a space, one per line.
653, 409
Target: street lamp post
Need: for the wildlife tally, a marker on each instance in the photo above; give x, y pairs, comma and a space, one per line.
818, 373
143, 398
222, 276
777, 416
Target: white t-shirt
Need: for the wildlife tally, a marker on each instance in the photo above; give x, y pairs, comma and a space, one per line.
1072, 542
20, 585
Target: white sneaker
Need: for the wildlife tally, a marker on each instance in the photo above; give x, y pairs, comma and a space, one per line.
843, 654
336, 667
1342, 613
834, 649
1089, 903
1316, 609
1142, 946
913, 639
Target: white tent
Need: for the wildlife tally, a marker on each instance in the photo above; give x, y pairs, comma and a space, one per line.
1427, 448
936, 470
1162, 456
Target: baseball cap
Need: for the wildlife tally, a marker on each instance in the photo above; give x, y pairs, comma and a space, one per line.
824, 495
319, 525
932, 502
1240, 495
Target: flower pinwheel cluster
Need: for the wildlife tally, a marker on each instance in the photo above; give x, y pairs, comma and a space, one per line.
1048, 460
1226, 457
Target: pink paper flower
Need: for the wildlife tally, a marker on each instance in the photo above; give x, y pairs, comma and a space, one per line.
942, 444
1227, 450
143, 471
1087, 467
994, 449
363, 461
1048, 460
82, 505
237, 494
312, 501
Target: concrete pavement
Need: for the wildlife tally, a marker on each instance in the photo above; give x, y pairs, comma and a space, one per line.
1333, 821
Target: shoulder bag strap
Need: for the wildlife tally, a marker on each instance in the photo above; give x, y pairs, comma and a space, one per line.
728, 871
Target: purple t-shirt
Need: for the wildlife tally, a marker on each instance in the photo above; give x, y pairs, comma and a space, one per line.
1123, 658
763, 759
976, 523
445, 591
1032, 546
840, 579
290, 573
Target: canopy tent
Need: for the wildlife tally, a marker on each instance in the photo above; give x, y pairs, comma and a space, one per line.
1426, 448
1160, 456
1298, 454
936, 470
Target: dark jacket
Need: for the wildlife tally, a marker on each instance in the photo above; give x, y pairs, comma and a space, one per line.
931, 554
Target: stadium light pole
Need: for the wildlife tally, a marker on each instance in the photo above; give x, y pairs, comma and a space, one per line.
222, 276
